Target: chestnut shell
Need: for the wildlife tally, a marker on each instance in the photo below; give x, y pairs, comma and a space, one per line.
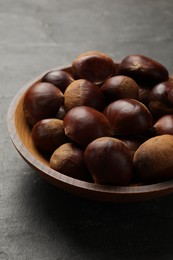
128, 117
94, 66
83, 124
160, 102
164, 125
143, 70
119, 87
48, 135
41, 101
69, 160
109, 161
58, 78
153, 160
82, 92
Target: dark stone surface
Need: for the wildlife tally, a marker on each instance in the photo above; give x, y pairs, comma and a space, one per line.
37, 220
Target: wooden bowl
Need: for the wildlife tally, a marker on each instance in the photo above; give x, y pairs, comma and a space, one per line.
20, 134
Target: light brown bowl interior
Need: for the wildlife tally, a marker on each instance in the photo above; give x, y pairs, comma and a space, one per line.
20, 134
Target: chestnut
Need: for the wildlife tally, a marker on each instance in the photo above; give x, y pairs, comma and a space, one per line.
160, 91
170, 96
143, 70
61, 112
128, 117
83, 124
109, 161
119, 87
164, 125
160, 99
94, 66
59, 78
133, 142
153, 160
159, 109
144, 94
83, 93
42, 100
69, 160
48, 135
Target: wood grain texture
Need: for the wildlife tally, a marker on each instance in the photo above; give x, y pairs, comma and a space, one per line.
20, 134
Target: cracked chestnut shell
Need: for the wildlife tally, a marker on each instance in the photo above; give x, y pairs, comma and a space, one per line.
83, 124
119, 87
41, 101
83, 93
128, 117
69, 160
58, 78
48, 135
94, 66
143, 70
109, 161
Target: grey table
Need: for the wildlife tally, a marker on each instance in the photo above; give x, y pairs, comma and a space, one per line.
37, 220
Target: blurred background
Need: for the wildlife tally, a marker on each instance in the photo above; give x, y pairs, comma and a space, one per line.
37, 220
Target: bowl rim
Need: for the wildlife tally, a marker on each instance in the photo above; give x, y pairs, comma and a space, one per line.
118, 193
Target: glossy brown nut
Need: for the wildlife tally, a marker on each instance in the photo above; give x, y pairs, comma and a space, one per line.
48, 135
159, 109
128, 117
109, 161
41, 101
94, 66
164, 125
119, 87
58, 78
170, 96
144, 95
61, 113
160, 92
69, 160
143, 70
133, 143
153, 160
83, 93
83, 124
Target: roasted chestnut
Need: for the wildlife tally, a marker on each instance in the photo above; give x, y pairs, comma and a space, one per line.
143, 70
59, 78
83, 124
41, 101
153, 160
69, 160
94, 66
128, 117
83, 93
119, 87
109, 161
48, 135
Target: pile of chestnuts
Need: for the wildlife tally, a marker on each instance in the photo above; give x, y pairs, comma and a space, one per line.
104, 121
